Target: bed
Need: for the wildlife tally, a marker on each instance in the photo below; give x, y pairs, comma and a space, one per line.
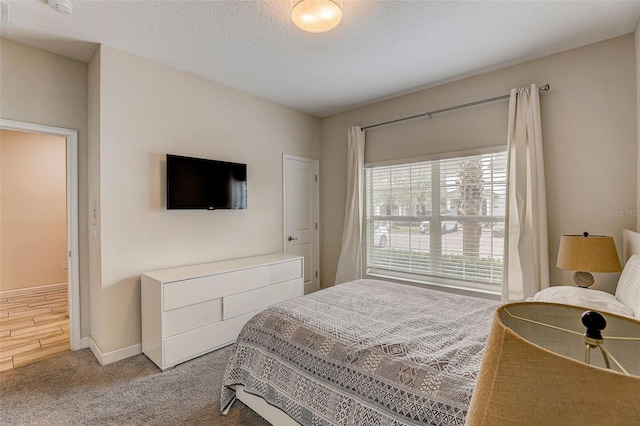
366, 352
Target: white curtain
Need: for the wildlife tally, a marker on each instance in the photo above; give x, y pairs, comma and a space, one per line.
526, 261
350, 262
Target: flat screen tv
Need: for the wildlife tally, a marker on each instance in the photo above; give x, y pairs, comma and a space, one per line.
198, 183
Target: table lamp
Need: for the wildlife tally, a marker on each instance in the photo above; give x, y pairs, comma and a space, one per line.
585, 254
535, 370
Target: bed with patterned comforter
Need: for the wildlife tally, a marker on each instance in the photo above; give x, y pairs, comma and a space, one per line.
366, 352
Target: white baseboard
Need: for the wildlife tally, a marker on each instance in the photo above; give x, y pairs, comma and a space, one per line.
117, 355
28, 290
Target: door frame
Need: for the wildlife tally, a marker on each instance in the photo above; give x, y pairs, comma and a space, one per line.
71, 166
286, 157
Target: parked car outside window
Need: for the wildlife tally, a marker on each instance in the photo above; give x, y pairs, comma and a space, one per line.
381, 235
447, 225
425, 227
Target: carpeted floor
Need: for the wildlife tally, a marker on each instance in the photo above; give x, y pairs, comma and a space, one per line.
74, 389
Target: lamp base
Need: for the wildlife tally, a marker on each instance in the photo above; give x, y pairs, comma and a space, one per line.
583, 279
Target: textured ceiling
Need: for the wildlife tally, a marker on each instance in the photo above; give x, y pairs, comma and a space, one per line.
381, 48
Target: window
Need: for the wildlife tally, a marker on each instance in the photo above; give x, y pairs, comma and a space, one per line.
439, 221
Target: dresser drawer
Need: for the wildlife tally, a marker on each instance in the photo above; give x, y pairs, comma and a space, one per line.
193, 316
196, 342
285, 271
188, 292
237, 304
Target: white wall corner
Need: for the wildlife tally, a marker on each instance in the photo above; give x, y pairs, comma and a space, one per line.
117, 355
85, 342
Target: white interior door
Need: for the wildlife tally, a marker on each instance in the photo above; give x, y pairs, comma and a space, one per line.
301, 214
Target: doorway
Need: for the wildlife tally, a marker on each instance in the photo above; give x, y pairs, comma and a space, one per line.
40, 231
301, 215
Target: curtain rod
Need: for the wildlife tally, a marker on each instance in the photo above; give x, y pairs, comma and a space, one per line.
429, 114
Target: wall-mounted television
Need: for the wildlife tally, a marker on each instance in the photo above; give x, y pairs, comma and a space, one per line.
198, 183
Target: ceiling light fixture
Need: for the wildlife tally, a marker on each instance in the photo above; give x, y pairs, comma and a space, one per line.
316, 16
62, 6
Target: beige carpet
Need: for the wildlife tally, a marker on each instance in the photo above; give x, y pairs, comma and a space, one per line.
74, 389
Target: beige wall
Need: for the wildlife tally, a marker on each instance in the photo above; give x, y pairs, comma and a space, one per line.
144, 111
43, 88
637, 52
33, 202
589, 133
95, 278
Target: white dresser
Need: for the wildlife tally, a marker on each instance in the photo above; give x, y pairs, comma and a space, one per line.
189, 311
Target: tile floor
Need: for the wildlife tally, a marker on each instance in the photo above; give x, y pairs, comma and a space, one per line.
33, 326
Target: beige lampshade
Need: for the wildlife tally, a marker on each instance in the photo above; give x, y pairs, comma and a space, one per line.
316, 16
533, 371
594, 253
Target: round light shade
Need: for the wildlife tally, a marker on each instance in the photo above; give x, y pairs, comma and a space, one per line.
533, 370
594, 253
316, 16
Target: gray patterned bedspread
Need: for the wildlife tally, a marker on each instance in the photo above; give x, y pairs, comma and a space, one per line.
366, 352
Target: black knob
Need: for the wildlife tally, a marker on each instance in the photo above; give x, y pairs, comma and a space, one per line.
595, 323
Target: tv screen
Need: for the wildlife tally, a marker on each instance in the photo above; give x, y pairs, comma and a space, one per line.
197, 183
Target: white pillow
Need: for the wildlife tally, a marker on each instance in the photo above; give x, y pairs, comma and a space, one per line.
585, 297
628, 290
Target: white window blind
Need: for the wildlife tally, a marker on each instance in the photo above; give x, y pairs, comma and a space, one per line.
440, 220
